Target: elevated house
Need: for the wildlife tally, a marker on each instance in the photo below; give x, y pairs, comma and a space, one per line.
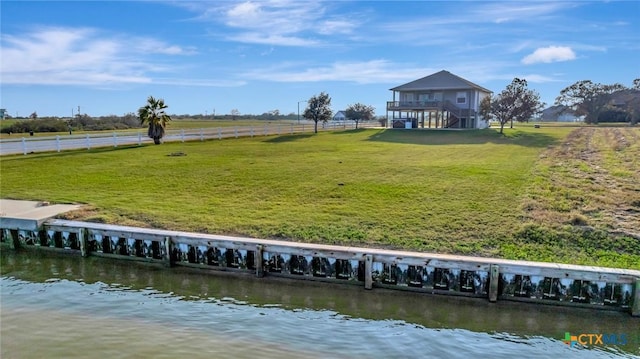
559, 113
440, 100
340, 116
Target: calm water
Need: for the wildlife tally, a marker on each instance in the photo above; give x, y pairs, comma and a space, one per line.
56, 306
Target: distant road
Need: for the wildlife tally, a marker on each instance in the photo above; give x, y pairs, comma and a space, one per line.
26, 145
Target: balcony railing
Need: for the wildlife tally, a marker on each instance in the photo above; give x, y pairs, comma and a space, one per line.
430, 105
414, 105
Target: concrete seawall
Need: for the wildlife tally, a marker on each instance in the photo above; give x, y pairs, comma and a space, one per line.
490, 278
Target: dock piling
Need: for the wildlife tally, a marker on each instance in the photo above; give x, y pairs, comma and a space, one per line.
259, 258
494, 279
368, 271
84, 243
635, 306
168, 245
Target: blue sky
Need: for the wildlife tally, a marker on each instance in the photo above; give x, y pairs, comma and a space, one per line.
259, 56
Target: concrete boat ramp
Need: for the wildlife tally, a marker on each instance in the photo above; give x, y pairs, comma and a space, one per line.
30, 215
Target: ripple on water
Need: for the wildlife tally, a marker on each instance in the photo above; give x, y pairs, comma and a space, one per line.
65, 318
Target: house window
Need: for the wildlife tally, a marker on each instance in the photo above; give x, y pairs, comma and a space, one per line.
435, 96
407, 97
430, 97
461, 98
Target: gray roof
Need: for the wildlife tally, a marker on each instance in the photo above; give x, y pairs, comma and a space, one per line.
553, 112
442, 80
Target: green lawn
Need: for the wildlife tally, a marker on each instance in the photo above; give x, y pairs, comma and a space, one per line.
443, 191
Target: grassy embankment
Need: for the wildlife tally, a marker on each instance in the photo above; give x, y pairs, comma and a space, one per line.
525, 195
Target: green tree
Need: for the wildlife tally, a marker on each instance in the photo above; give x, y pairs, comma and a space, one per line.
587, 98
153, 114
359, 112
318, 109
515, 102
633, 104
235, 113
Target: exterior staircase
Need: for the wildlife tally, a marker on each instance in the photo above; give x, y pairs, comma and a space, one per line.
456, 114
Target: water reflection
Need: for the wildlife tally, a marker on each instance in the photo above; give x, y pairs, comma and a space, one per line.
278, 315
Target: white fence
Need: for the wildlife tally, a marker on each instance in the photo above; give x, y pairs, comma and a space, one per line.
59, 143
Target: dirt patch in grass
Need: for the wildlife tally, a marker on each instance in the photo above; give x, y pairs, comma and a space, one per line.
96, 215
591, 180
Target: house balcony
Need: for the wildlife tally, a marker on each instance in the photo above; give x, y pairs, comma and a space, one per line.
414, 105
428, 106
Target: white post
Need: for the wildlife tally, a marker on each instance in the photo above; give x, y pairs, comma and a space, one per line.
258, 261
58, 143
635, 304
182, 135
494, 280
251, 132
219, 133
168, 247
201, 134
115, 140
24, 146
236, 131
82, 238
368, 270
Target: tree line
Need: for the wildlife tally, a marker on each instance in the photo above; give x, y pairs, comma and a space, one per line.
595, 101
319, 111
516, 102
153, 115
81, 122
85, 122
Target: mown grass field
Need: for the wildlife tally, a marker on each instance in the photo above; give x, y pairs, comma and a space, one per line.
466, 192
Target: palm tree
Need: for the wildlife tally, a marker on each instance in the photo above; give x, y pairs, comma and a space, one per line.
153, 114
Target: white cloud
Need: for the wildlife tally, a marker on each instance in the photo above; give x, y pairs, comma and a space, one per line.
278, 22
502, 12
146, 45
273, 17
366, 72
330, 27
272, 39
247, 10
80, 56
537, 78
549, 54
199, 82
